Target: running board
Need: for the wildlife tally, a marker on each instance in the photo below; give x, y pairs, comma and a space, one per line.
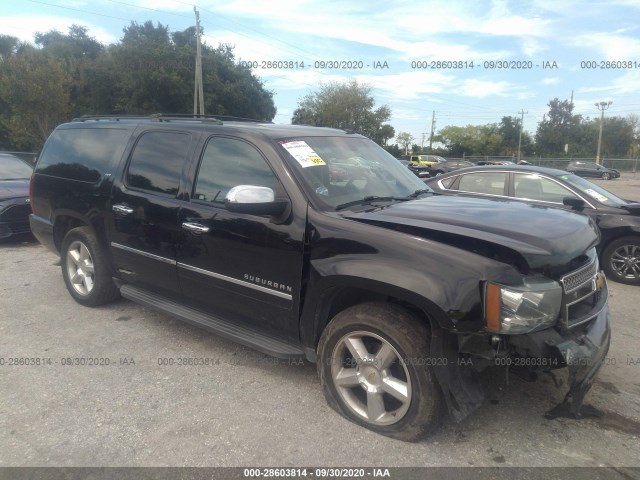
265, 344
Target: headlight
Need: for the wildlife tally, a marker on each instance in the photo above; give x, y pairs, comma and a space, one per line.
522, 309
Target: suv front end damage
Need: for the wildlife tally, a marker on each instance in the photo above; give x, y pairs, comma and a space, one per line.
538, 327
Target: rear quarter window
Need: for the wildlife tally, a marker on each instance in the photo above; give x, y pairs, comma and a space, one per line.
82, 154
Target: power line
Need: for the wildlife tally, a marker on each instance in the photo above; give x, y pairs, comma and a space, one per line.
79, 10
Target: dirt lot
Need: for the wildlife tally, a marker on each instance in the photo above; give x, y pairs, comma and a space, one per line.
248, 409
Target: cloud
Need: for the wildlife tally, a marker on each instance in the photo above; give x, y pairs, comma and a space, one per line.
245, 47
25, 27
626, 83
485, 88
610, 46
550, 80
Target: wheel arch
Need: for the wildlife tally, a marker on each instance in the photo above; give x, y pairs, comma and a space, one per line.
616, 234
64, 221
338, 294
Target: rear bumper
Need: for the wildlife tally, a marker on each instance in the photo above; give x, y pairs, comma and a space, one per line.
42, 229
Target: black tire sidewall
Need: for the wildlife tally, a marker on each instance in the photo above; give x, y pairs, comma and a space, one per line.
425, 393
104, 289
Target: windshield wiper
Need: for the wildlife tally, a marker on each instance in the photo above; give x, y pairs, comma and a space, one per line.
417, 193
376, 198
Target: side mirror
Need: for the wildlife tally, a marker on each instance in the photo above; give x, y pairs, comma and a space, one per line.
254, 200
573, 202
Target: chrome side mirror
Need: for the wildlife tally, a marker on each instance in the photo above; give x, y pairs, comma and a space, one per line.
254, 200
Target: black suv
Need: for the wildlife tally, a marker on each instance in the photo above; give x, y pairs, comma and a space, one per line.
400, 295
592, 170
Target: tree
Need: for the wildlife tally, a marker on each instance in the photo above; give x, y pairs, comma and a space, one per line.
404, 139
618, 134
349, 106
77, 52
509, 130
393, 150
471, 140
558, 128
35, 88
386, 132
150, 70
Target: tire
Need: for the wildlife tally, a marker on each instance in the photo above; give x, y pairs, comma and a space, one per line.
85, 269
394, 343
606, 176
621, 260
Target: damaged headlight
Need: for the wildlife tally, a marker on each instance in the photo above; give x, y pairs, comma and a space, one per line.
522, 309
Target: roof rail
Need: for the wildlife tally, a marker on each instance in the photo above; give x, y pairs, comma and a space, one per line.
167, 117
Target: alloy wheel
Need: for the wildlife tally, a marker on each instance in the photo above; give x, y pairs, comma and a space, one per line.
371, 378
625, 261
80, 268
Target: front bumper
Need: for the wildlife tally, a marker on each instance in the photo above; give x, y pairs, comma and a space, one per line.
582, 348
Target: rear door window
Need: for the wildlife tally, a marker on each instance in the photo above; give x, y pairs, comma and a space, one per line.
489, 183
157, 161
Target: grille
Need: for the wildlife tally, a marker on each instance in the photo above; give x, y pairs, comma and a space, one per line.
581, 295
576, 279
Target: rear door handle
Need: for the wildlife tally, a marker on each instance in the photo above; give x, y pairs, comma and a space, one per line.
195, 227
122, 209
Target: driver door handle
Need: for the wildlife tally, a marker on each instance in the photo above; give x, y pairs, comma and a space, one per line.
122, 209
195, 227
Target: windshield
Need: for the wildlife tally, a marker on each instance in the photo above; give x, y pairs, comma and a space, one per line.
591, 190
12, 168
340, 170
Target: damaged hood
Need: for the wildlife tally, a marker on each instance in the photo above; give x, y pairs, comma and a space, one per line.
543, 236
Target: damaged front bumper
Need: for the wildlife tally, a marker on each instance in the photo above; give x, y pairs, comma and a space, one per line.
581, 346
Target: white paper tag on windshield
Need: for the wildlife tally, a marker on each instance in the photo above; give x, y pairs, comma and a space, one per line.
596, 195
303, 154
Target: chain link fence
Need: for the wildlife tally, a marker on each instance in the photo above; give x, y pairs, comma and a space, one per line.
623, 165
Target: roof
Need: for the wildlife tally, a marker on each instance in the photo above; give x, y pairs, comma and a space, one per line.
515, 168
211, 122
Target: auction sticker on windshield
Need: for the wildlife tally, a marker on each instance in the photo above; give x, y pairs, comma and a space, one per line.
598, 196
303, 153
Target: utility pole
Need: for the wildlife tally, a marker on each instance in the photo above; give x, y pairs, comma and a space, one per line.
198, 94
602, 106
522, 113
433, 125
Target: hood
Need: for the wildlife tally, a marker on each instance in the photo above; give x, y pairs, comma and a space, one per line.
13, 189
632, 207
542, 236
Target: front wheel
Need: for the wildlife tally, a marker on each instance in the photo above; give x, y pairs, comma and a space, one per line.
375, 369
621, 260
606, 176
85, 269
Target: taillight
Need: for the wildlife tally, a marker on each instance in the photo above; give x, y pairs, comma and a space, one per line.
31, 192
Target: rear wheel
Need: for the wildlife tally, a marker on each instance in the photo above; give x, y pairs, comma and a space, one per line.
85, 269
621, 260
373, 361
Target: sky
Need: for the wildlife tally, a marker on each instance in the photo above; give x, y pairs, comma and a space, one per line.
469, 61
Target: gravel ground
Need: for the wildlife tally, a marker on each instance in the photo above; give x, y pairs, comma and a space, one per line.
248, 409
